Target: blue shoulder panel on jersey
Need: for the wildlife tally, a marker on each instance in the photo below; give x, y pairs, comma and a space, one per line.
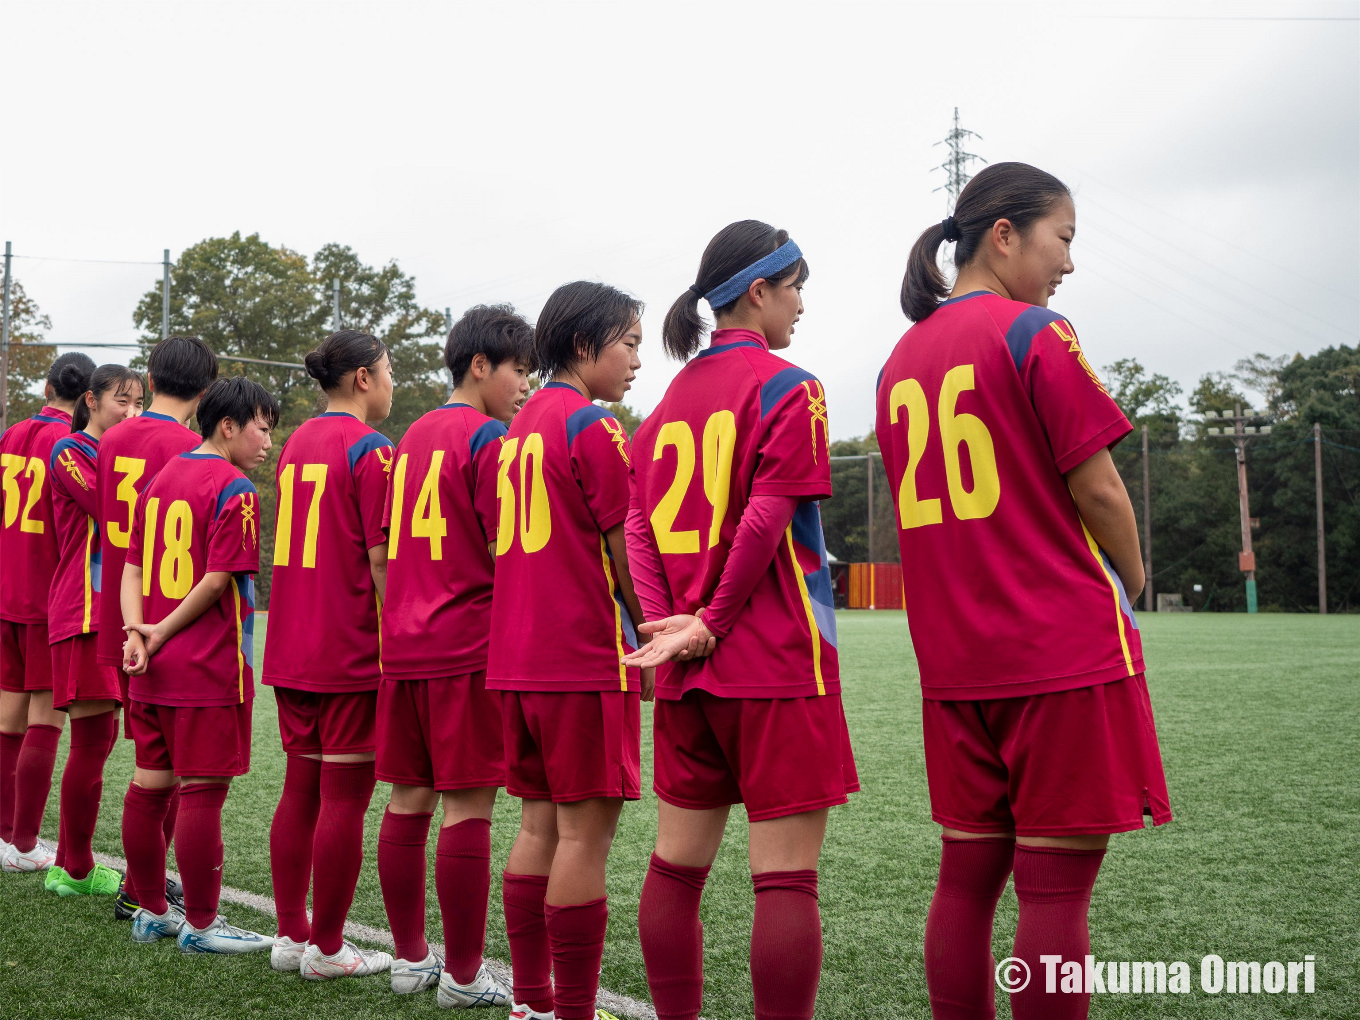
87, 445
487, 432
372, 441
879, 381
780, 385
710, 351
1025, 328
234, 488
48, 418
580, 420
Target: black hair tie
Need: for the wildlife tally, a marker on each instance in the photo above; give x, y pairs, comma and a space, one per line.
694, 289
950, 227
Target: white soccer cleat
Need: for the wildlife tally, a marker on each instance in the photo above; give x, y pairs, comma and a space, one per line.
220, 937
149, 927
286, 955
482, 990
519, 1011
40, 858
350, 961
409, 977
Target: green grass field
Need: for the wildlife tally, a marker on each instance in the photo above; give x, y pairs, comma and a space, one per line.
1260, 733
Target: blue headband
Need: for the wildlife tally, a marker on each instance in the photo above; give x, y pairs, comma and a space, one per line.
781, 258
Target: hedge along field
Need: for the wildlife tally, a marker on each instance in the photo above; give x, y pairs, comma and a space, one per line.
1261, 742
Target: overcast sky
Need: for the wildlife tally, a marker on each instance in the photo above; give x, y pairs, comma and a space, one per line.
498, 150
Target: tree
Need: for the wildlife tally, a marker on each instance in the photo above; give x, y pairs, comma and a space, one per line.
28, 365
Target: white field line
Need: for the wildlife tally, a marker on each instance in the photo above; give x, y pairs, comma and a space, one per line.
611, 1001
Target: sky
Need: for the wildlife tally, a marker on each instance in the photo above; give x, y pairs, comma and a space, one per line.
498, 150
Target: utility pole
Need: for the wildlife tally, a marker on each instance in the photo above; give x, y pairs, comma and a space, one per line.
4, 350
165, 294
335, 302
869, 459
1241, 433
956, 163
1147, 528
1322, 540
448, 330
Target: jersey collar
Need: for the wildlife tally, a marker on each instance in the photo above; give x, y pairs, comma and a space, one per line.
48, 411
965, 297
157, 416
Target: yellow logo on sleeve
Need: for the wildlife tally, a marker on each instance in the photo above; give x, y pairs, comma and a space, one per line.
385, 455
1068, 335
817, 408
72, 468
248, 525
619, 436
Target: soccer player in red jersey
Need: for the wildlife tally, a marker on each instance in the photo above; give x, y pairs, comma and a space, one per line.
439, 728
29, 726
330, 563
1022, 561
179, 369
725, 537
188, 598
88, 692
562, 619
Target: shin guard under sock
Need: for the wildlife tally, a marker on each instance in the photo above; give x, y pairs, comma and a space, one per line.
1053, 885
673, 938
82, 787
530, 952
198, 849
144, 844
462, 881
10, 744
958, 944
33, 782
401, 874
290, 845
786, 945
576, 934
346, 789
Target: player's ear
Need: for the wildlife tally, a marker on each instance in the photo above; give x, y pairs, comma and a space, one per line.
480, 367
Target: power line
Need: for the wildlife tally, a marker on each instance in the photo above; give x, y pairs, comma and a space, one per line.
107, 262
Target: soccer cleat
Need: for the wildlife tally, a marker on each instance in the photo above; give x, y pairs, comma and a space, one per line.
603, 1015
286, 955
124, 906
482, 990
220, 937
101, 881
40, 858
51, 876
409, 976
519, 1011
149, 927
350, 961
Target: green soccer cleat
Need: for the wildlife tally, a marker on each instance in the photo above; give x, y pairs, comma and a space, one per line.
52, 876
101, 881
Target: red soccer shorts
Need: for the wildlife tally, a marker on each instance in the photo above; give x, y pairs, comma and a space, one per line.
342, 723
572, 745
778, 756
77, 674
124, 682
443, 733
205, 740
25, 657
1078, 761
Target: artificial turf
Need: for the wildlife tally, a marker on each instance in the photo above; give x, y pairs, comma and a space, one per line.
1260, 735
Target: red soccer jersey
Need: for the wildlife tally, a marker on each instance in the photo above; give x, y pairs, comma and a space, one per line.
198, 516
441, 513
28, 537
323, 606
130, 455
737, 422
982, 408
558, 622
73, 607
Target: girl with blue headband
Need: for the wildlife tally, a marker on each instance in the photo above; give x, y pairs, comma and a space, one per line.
726, 551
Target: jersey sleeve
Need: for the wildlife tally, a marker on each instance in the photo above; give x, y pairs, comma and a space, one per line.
484, 450
72, 469
133, 554
793, 458
234, 534
600, 460
370, 463
1077, 413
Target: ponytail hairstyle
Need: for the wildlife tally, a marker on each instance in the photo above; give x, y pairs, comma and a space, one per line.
735, 247
342, 352
1003, 191
69, 375
106, 377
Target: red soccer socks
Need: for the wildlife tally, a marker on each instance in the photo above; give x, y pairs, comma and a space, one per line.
1053, 886
786, 945
290, 845
82, 786
10, 745
198, 849
338, 847
401, 873
144, 843
462, 880
33, 782
958, 948
525, 927
673, 938
576, 934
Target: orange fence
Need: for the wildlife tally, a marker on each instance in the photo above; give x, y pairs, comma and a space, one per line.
876, 586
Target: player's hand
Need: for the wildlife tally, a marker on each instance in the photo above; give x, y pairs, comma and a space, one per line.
135, 658
150, 634
649, 685
681, 637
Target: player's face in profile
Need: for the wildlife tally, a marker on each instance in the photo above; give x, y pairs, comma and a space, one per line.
507, 391
380, 388
784, 311
1045, 255
250, 445
611, 376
